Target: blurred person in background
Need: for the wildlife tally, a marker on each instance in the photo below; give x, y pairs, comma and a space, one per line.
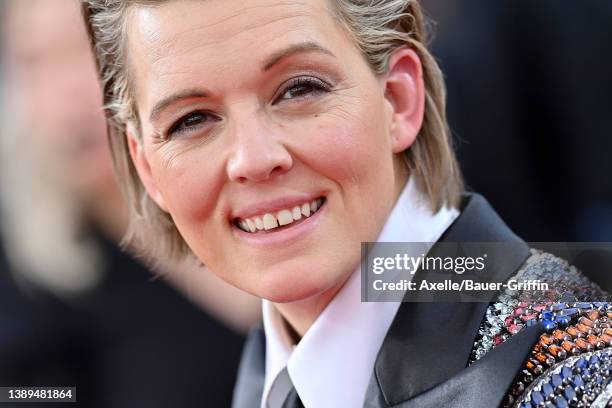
74, 309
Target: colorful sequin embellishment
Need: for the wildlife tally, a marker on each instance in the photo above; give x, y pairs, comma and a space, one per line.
571, 364
580, 381
513, 310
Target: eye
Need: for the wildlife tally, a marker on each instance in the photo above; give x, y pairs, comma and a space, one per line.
302, 88
192, 122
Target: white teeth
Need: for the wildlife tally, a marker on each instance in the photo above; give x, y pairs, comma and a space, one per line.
296, 213
314, 205
251, 225
269, 222
284, 217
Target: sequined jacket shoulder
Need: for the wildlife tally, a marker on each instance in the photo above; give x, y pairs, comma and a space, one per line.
571, 365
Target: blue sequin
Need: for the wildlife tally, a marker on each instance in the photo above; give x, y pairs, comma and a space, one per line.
548, 324
566, 372
581, 363
547, 390
569, 393
583, 305
562, 320
571, 311
556, 380
577, 382
603, 306
560, 402
594, 361
537, 398
547, 314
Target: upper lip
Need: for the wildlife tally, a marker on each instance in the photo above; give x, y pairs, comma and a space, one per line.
272, 206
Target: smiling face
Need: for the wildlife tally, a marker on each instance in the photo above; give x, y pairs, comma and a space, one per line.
268, 139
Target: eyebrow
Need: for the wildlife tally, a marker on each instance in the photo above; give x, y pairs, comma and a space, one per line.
308, 46
273, 60
169, 100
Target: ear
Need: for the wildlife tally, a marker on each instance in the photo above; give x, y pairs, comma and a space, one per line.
405, 92
141, 163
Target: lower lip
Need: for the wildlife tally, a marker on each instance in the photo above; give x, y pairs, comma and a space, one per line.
285, 236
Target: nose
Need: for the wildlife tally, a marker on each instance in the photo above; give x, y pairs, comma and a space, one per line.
257, 155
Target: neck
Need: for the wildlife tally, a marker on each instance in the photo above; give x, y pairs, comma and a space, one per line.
300, 315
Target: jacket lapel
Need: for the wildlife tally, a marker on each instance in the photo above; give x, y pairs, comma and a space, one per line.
429, 343
482, 385
250, 382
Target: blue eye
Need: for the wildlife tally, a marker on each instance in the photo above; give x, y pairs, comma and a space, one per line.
192, 122
302, 88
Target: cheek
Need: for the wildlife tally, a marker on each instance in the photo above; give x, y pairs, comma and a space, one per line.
352, 149
189, 186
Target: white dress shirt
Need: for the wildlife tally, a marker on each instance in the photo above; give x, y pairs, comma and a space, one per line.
332, 364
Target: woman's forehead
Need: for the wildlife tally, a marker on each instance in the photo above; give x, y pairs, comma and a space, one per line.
213, 39
181, 26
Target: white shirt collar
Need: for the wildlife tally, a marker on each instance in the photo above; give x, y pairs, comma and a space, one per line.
332, 364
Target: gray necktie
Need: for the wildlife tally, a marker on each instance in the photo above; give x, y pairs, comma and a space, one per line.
282, 392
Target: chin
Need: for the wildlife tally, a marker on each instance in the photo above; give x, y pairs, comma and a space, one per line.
282, 287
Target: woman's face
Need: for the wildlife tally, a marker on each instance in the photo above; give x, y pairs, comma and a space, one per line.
266, 137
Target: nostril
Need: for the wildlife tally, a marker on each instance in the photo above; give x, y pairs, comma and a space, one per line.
257, 174
276, 170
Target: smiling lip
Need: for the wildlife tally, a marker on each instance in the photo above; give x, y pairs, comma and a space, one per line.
272, 206
284, 235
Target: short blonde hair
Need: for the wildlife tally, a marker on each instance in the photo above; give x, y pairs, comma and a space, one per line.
378, 27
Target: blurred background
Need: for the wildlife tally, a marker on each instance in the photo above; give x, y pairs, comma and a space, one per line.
530, 107
75, 310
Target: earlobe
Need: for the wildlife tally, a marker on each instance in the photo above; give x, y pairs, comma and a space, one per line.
141, 163
405, 92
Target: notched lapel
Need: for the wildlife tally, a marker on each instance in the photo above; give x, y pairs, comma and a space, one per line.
482, 385
430, 343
